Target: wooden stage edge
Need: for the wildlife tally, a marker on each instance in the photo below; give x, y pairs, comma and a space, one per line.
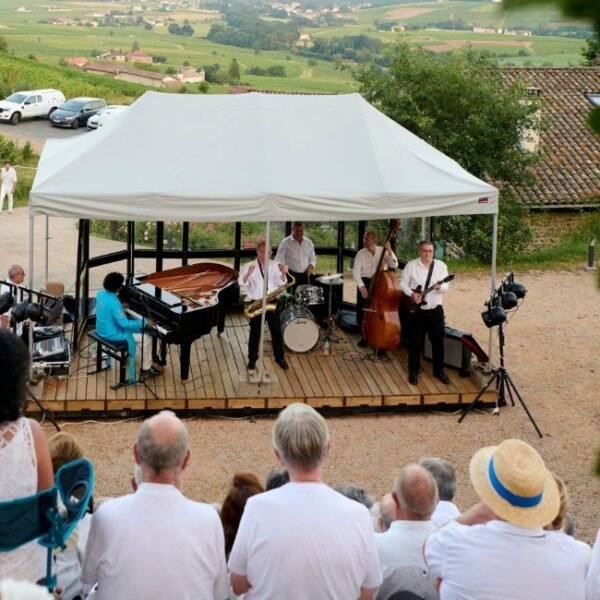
346, 381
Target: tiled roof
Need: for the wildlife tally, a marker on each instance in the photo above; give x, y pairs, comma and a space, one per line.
568, 172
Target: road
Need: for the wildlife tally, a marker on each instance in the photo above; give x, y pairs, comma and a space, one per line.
37, 131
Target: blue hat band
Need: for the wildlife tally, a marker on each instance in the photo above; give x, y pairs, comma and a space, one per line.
506, 494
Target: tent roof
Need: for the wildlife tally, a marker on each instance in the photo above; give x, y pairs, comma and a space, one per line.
252, 157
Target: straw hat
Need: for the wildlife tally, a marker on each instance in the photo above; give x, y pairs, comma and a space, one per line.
513, 481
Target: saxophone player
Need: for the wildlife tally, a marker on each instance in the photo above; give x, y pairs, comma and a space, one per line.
252, 276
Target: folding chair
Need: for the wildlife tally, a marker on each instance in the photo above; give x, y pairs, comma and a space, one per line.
50, 515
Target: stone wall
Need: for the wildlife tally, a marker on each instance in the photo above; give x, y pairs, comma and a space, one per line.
548, 227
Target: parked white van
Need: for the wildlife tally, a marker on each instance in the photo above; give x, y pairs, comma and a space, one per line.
28, 104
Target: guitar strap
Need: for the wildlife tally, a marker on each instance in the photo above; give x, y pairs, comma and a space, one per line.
429, 274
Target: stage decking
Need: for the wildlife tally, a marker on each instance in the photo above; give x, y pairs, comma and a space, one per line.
342, 380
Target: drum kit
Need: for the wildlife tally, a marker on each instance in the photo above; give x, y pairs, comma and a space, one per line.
300, 329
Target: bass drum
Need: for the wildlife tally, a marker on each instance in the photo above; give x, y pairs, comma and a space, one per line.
299, 328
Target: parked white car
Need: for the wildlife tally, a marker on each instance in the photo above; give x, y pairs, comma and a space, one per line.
29, 104
104, 115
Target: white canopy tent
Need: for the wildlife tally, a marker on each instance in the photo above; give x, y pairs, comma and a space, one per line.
252, 157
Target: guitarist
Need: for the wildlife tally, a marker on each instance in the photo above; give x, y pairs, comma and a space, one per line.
420, 274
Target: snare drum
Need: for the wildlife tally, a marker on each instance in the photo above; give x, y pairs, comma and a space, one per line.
299, 328
309, 295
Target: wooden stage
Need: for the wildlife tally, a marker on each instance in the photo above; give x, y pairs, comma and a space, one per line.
345, 380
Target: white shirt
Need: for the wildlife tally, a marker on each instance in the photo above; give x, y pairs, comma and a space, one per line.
156, 544
592, 583
414, 274
255, 283
501, 560
8, 177
366, 263
444, 511
297, 256
305, 541
403, 567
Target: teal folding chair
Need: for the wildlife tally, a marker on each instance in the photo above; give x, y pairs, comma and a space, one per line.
49, 516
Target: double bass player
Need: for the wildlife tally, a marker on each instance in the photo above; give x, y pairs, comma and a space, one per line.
365, 267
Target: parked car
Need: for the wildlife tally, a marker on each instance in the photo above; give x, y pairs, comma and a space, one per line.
29, 104
104, 115
76, 112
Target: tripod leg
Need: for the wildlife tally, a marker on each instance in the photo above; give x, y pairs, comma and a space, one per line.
511, 384
471, 406
45, 412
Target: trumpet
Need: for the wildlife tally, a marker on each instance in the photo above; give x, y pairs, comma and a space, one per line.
254, 308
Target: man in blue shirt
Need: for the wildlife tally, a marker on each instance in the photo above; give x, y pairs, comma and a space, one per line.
113, 325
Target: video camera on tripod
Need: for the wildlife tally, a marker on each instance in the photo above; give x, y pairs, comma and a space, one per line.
505, 298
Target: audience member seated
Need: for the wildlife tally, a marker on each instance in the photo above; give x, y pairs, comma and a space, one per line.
155, 543
244, 486
276, 478
64, 448
498, 549
445, 477
592, 582
25, 466
561, 522
356, 493
401, 547
383, 513
304, 540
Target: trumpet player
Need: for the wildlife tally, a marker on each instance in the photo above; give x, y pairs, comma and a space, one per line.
252, 276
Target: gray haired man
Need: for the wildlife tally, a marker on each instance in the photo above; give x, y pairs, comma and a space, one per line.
445, 477
304, 540
156, 543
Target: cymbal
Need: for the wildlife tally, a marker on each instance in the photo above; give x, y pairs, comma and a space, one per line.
333, 279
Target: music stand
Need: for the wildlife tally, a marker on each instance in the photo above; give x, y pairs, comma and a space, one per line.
330, 281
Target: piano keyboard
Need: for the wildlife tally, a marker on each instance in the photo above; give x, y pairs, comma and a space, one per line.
156, 326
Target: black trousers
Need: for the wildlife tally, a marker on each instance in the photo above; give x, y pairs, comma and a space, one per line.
274, 321
301, 279
361, 303
431, 322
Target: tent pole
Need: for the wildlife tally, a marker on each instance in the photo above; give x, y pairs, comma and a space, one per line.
263, 315
31, 230
493, 284
47, 247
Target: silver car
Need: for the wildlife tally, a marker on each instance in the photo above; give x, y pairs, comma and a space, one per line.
104, 115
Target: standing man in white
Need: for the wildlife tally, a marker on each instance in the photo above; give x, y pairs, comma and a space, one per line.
8, 180
298, 253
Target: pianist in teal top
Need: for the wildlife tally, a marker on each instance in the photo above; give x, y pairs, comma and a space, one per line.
112, 324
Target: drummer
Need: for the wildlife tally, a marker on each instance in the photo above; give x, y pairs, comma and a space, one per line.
297, 252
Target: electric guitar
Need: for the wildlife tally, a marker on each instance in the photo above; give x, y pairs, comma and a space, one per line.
416, 307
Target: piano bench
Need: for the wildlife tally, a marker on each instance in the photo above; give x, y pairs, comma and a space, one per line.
116, 350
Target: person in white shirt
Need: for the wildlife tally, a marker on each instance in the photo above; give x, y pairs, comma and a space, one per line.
401, 547
16, 277
8, 183
297, 252
304, 540
430, 317
252, 277
155, 543
498, 548
445, 477
592, 582
365, 265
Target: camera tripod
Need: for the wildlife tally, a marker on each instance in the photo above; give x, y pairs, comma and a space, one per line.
504, 385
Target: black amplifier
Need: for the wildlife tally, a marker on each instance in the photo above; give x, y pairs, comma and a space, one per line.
456, 353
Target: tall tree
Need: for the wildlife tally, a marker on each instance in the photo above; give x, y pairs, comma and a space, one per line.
459, 103
234, 71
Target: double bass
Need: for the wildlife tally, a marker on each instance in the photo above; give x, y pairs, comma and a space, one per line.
381, 322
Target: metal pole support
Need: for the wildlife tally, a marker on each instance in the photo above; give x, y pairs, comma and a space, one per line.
591, 255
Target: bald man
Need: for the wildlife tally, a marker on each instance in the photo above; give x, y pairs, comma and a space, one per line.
401, 547
155, 543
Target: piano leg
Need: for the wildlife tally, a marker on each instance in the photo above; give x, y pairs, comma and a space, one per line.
184, 359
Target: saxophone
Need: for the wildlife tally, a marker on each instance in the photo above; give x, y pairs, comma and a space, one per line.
254, 308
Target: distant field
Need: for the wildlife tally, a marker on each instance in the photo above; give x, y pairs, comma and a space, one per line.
51, 43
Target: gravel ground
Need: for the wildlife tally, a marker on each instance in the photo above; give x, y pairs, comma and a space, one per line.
552, 354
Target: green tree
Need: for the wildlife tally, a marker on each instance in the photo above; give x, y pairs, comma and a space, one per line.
234, 71
591, 51
135, 46
3, 44
460, 104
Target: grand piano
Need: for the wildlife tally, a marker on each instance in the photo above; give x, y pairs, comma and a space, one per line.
185, 303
